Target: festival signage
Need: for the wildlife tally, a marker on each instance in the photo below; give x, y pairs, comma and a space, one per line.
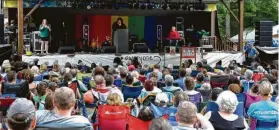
187, 53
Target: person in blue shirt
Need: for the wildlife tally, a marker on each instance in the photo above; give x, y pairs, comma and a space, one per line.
252, 53
180, 80
264, 114
156, 69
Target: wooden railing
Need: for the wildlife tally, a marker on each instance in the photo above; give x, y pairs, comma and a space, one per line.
224, 44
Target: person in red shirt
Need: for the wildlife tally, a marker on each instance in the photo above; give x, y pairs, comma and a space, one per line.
173, 36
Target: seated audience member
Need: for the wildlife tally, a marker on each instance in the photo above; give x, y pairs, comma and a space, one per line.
109, 85
254, 91
56, 80
29, 76
114, 99
162, 99
187, 117
199, 80
135, 75
219, 65
129, 80
188, 72
205, 86
131, 68
146, 114
169, 85
43, 69
52, 86
206, 75
156, 69
81, 86
235, 88
21, 115
123, 75
179, 97
160, 124
64, 102
180, 80
194, 96
49, 102
206, 66
264, 110
11, 76
215, 93
142, 76
40, 98
68, 82
154, 78
199, 66
224, 119
149, 87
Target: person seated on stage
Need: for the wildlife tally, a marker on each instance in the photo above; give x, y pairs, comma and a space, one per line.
106, 42
174, 36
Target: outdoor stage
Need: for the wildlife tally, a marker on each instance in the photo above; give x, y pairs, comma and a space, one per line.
145, 58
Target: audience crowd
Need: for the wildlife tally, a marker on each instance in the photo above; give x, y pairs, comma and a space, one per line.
135, 96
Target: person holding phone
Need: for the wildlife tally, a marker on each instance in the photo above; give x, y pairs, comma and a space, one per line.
188, 119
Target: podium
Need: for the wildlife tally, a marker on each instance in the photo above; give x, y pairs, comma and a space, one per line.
121, 40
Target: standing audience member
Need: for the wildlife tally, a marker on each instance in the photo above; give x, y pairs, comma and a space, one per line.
21, 115
187, 118
224, 119
265, 110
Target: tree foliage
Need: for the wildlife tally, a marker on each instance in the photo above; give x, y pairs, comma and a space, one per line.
254, 11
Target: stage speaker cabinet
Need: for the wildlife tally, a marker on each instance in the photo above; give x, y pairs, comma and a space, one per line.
1, 28
140, 47
108, 49
66, 50
263, 34
35, 40
121, 40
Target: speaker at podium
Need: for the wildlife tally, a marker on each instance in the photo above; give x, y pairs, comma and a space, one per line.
121, 40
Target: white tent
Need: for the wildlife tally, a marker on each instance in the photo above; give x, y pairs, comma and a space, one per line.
249, 35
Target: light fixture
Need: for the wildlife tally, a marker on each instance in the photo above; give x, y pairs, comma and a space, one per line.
143, 6
136, 5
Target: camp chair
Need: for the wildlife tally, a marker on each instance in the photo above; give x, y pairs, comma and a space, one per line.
173, 91
241, 97
194, 73
273, 98
136, 124
247, 85
175, 84
266, 125
147, 100
20, 89
196, 98
175, 74
212, 106
112, 117
131, 92
118, 83
257, 76
160, 84
86, 80
205, 94
138, 83
160, 111
219, 81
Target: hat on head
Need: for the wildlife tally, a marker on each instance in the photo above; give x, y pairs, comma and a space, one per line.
6, 64
131, 68
21, 106
162, 98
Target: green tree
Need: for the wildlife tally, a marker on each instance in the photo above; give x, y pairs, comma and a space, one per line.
254, 11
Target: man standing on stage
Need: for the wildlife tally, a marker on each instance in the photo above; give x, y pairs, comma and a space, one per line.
44, 34
252, 53
174, 36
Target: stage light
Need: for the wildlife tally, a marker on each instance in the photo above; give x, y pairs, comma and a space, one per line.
185, 7
149, 6
165, 6
143, 6
130, 5
136, 5
116, 6
102, 5
88, 6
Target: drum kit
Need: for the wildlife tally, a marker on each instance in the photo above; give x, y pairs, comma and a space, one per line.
96, 46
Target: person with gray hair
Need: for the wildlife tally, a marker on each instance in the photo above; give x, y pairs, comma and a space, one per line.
224, 119
264, 110
64, 103
82, 88
187, 118
248, 75
160, 124
21, 115
169, 85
